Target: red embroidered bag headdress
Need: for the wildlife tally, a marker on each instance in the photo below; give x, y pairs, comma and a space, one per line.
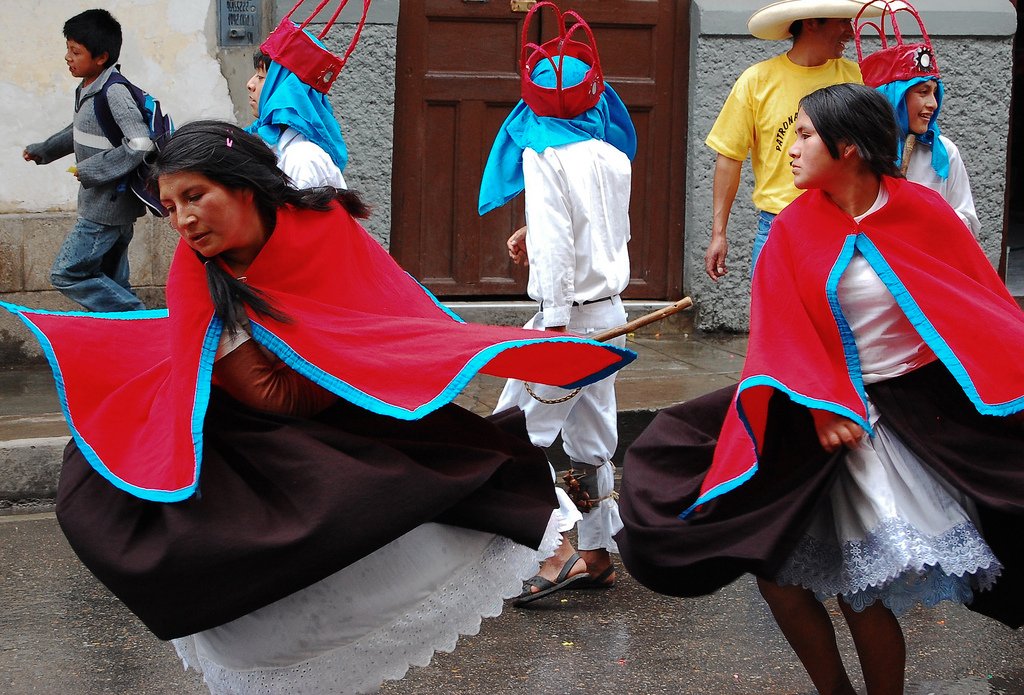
561, 101
290, 46
900, 61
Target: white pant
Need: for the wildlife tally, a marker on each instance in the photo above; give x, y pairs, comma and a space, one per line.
588, 423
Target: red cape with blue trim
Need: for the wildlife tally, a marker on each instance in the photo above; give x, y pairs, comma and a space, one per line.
135, 385
801, 344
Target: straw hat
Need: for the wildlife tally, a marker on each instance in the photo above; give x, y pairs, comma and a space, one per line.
772, 21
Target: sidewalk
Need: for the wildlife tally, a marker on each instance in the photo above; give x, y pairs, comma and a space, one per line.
670, 367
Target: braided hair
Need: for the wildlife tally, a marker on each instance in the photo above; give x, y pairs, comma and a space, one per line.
231, 157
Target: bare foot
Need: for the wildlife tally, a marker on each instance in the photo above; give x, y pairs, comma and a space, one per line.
599, 561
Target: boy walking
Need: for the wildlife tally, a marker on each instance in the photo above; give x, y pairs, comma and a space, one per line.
92, 265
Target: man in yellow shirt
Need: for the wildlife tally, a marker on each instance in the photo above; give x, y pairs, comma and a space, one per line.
759, 113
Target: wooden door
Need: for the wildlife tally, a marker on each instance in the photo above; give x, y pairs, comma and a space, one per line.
457, 81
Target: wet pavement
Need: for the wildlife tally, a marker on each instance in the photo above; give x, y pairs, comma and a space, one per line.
62, 632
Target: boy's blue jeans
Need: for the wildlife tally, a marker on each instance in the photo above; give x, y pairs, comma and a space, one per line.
764, 225
92, 267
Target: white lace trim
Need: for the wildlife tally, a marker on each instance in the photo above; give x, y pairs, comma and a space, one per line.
928, 588
435, 624
897, 564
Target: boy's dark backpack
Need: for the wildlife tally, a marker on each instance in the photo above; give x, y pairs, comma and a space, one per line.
160, 128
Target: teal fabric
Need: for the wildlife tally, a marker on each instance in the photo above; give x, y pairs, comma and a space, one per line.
608, 121
896, 93
287, 101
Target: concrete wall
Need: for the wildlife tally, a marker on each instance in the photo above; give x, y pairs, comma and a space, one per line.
169, 49
974, 51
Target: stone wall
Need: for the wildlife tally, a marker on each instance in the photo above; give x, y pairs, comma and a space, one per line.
364, 101
363, 98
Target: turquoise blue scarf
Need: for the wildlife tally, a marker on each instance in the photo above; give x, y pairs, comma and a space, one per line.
896, 93
608, 121
287, 101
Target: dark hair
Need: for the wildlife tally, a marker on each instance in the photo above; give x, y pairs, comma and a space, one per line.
858, 115
797, 27
260, 60
231, 157
98, 31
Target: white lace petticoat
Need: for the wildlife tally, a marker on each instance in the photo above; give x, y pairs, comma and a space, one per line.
892, 530
370, 621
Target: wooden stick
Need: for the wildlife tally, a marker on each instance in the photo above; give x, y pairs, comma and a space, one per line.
630, 326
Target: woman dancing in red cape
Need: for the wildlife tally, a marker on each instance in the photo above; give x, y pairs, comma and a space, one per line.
873, 449
271, 472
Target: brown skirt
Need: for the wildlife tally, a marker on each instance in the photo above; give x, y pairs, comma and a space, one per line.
753, 528
284, 502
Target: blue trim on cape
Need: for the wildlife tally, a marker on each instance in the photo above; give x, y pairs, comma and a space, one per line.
434, 299
280, 348
720, 489
87, 451
17, 310
850, 352
204, 382
807, 401
289, 356
929, 334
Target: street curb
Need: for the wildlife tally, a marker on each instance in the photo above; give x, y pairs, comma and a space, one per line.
30, 468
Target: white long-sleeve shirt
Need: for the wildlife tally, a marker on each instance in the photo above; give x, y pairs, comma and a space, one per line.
956, 189
887, 344
305, 162
577, 218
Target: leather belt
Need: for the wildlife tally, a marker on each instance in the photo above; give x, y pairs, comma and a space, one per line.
589, 301
595, 301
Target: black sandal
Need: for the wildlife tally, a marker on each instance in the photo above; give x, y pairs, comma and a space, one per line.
546, 586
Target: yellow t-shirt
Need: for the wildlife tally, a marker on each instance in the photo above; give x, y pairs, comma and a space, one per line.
758, 117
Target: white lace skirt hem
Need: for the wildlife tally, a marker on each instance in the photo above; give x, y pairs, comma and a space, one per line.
893, 531
370, 621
